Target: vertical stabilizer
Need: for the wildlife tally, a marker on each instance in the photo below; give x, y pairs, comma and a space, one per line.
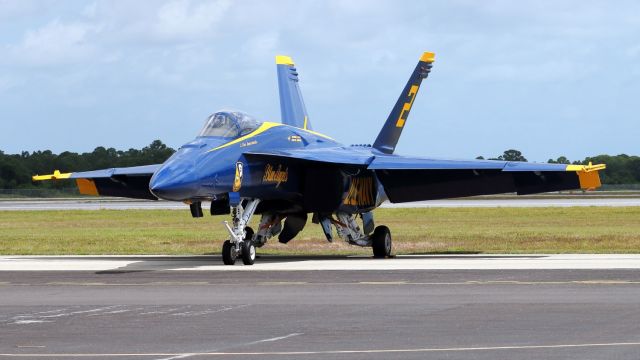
292, 107
390, 134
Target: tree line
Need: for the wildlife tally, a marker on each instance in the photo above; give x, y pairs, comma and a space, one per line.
621, 169
16, 169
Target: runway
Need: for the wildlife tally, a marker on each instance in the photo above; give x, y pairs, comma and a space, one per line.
119, 204
164, 308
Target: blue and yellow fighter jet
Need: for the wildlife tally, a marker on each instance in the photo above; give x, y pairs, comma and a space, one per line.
285, 171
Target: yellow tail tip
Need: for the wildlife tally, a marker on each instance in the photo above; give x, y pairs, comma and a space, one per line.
284, 60
428, 57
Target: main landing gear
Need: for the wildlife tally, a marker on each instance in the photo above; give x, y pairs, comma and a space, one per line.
348, 230
241, 242
381, 242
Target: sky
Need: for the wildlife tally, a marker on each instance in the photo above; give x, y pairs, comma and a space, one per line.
549, 78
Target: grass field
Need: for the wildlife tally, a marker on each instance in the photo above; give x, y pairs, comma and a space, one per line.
431, 230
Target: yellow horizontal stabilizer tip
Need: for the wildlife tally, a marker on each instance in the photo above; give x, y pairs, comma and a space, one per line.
428, 57
55, 176
284, 60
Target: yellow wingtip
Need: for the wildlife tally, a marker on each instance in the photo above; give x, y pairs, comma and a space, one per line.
284, 60
57, 175
588, 175
586, 168
428, 57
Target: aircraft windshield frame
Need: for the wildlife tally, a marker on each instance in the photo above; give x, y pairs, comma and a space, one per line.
229, 124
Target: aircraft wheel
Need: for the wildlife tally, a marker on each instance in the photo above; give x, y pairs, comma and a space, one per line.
381, 242
228, 253
248, 252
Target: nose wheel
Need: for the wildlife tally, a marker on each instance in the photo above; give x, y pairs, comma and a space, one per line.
241, 244
248, 252
229, 254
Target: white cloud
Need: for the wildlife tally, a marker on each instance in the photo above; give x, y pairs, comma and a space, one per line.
11, 8
262, 45
6, 83
180, 18
54, 44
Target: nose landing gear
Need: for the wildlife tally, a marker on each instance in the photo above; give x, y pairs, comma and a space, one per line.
241, 242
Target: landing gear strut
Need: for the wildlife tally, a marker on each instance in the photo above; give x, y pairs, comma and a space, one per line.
241, 242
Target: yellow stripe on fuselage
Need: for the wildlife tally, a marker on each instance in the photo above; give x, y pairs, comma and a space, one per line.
264, 127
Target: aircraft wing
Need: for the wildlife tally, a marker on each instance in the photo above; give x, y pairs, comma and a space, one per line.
413, 179
130, 182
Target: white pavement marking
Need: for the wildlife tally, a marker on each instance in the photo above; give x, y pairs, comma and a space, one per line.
333, 352
101, 204
186, 355
50, 316
274, 339
23, 322
275, 263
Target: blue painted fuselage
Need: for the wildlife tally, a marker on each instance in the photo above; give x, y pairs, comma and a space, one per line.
209, 167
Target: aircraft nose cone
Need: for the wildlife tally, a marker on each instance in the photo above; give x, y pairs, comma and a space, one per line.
174, 184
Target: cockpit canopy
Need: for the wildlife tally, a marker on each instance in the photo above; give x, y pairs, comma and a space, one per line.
229, 124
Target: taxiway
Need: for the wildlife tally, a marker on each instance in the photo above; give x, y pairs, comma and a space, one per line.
181, 308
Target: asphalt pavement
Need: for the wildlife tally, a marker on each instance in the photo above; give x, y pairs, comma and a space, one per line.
155, 313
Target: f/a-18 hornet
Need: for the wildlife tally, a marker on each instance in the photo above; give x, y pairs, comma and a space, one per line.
286, 171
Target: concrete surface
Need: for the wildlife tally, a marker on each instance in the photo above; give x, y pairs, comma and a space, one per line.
408, 314
321, 263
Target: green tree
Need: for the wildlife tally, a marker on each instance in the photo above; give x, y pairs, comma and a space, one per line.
512, 155
560, 160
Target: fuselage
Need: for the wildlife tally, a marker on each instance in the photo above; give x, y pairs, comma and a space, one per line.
211, 166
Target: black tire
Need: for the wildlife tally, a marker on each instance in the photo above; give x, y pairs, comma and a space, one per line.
228, 253
248, 252
381, 242
248, 233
